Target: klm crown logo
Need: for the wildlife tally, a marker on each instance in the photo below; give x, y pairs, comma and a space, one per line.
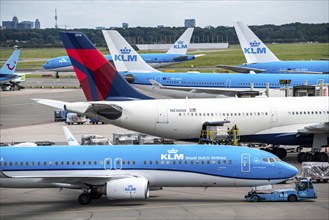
125, 51
254, 48
125, 56
172, 151
254, 44
180, 45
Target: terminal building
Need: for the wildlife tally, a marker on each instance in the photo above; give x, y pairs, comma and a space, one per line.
24, 25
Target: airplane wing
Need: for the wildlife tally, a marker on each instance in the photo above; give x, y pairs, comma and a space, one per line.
320, 128
219, 91
239, 69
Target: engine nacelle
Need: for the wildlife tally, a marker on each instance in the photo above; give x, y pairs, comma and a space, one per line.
127, 188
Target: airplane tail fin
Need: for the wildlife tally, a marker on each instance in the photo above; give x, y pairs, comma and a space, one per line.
98, 78
71, 140
125, 58
253, 48
10, 66
181, 45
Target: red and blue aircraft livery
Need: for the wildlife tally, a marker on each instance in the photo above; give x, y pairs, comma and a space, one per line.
98, 77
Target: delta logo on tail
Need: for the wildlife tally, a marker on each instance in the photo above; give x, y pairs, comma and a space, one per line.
98, 77
254, 48
125, 56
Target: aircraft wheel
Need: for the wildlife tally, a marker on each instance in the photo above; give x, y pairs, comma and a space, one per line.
94, 194
292, 198
299, 157
299, 149
307, 157
322, 157
254, 198
84, 198
280, 152
57, 76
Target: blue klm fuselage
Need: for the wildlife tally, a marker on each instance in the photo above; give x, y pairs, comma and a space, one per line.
220, 161
226, 80
291, 66
63, 63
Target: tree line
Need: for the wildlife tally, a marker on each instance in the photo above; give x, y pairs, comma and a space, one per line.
287, 33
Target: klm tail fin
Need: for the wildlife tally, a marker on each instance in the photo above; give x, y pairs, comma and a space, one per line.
98, 78
253, 48
10, 66
71, 140
125, 58
181, 45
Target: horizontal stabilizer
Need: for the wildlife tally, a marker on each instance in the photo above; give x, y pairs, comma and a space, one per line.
52, 103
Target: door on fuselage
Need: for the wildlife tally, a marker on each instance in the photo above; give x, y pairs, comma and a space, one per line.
245, 162
162, 114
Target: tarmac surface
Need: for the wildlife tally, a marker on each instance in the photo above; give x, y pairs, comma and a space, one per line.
24, 120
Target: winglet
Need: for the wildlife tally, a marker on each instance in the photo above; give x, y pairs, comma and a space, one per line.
125, 58
10, 66
253, 48
181, 45
71, 140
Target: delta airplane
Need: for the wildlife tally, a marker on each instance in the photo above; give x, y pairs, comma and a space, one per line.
177, 53
261, 59
128, 172
281, 121
7, 71
196, 85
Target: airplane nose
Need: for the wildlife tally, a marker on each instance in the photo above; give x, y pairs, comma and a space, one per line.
290, 170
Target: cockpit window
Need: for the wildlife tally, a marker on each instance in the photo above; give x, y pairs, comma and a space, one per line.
271, 159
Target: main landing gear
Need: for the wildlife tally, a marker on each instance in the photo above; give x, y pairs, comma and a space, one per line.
86, 197
309, 156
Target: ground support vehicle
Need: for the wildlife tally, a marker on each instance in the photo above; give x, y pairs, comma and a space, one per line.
315, 171
60, 115
138, 138
94, 139
73, 118
219, 135
303, 190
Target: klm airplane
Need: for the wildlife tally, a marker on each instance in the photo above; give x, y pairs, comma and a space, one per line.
261, 59
128, 172
177, 53
196, 85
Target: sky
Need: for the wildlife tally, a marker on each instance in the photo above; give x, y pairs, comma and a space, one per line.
150, 13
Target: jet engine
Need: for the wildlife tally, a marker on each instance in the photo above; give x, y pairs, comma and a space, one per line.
127, 188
